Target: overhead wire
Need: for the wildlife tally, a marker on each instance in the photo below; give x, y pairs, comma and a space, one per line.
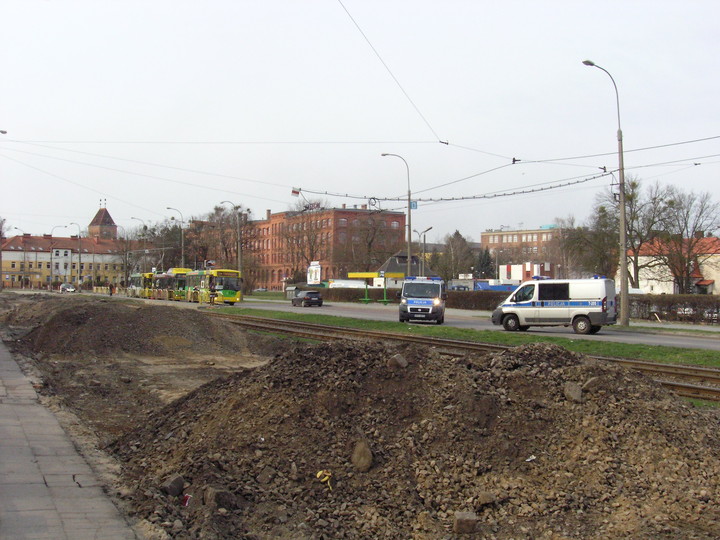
143, 175
392, 75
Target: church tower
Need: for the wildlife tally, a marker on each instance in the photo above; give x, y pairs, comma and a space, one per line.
102, 226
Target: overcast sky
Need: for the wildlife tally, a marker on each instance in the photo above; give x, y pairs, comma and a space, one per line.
149, 104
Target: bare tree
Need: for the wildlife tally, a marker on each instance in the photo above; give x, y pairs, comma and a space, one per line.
644, 211
456, 258
681, 247
593, 248
302, 235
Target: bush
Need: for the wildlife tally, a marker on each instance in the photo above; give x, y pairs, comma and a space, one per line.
695, 308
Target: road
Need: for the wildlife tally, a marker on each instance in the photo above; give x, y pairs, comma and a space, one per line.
480, 320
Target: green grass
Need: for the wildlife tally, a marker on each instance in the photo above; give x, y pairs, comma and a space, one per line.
702, 404
651, 353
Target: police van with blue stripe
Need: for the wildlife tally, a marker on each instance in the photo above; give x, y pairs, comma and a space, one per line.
585, 304
423, 299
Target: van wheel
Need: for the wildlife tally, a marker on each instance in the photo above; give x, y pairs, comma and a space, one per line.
582, 325
595, 329
511, 323
440, 320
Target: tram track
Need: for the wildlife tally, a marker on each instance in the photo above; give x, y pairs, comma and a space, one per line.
686, 381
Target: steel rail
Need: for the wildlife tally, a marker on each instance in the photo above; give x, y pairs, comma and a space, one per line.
659, 372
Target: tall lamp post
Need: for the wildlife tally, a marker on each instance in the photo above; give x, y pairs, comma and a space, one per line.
182, 236
236, 207
52, 267
125, 256
624, 303
422, 262
144, 241
79, 255
409, 220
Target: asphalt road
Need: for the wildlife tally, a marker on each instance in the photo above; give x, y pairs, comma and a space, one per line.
480, 320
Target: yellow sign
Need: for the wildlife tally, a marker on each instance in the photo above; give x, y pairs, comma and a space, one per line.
369, 275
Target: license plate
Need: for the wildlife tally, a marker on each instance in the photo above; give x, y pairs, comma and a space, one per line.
420, 315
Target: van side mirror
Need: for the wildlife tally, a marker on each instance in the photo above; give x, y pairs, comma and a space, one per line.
398, 295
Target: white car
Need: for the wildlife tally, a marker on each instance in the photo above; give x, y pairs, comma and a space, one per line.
67, 287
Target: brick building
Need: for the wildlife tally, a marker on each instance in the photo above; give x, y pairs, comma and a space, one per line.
342, 240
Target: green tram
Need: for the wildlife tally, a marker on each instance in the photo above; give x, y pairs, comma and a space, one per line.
214, 286
140, 285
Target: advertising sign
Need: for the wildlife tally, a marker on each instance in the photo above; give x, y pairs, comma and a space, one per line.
313, 273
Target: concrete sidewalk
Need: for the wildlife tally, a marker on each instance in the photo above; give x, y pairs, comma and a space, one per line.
47, 490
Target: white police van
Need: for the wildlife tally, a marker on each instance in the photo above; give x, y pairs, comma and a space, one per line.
423, 299
586, 304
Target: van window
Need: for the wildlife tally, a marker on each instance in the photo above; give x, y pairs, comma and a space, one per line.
525, 293
554, 291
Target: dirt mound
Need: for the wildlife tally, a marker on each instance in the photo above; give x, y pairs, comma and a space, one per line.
104, 327
535, 442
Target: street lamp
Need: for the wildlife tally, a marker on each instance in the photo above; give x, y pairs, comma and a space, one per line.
52, 268
422, 263
144, 241
125, 255
79, 255
182, 236
624, 304
236, 207
409, 221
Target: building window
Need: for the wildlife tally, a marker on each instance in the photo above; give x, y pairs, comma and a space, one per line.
65, 254
12, 264
29, 265
394, 224
342, 222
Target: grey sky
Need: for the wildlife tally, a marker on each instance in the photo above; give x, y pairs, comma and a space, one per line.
185, 104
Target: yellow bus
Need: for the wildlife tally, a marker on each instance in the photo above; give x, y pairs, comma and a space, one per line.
140, 285
170, 285
220, 286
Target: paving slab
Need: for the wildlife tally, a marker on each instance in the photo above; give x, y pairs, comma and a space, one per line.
47, 489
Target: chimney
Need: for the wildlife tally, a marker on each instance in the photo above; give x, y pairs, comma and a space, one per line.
343, 205
267, 213
364, 206
47, 235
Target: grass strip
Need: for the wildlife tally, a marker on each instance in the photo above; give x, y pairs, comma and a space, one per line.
651, 353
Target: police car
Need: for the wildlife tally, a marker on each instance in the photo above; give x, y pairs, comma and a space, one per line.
423, 299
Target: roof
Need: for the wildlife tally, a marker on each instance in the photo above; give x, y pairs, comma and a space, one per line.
45, 243
102, 218
705, 282
708, 245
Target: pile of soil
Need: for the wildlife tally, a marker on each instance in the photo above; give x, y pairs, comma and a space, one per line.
511, 438
365, 440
